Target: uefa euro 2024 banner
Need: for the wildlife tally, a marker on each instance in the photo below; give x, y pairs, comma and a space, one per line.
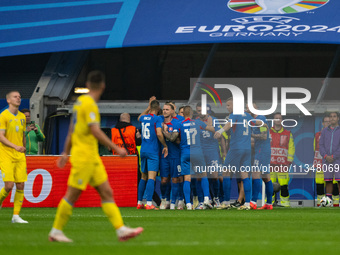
38, 26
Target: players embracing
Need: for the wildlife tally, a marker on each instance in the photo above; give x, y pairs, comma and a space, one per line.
239, 155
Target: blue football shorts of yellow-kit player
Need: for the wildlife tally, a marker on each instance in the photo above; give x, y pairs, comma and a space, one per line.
13, 163
87, 167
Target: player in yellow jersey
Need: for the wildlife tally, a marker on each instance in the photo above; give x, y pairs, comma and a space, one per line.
87, 167
12, 153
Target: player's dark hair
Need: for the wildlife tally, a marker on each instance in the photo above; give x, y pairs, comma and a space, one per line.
170, 102
179, 109
154, 105
95, 79
25, 110
199, 104
10, 92
187, 111
160, 112
171, 105
229, 99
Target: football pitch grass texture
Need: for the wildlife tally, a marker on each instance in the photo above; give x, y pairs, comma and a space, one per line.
281, 231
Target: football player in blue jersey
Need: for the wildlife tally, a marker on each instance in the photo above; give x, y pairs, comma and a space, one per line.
179, 117
173, 111
191, 153
239, 155
171, 165
151, 134
262, 163
210, 148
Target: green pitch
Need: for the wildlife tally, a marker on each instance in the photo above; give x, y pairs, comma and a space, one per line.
281, 231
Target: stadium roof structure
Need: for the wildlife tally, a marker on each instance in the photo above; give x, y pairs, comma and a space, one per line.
39, 26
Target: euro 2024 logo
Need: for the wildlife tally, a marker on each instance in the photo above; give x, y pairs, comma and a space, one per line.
275, 6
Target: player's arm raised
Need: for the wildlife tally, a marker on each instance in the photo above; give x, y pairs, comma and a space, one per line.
146, 111
104, 140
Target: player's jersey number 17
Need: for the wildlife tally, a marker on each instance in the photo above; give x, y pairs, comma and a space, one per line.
191, 136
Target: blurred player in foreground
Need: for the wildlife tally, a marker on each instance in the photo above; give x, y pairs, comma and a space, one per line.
87, 167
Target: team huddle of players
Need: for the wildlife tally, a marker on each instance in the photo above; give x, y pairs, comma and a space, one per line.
199, 157
189, 145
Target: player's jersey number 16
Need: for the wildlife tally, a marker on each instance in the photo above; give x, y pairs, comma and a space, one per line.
146, 130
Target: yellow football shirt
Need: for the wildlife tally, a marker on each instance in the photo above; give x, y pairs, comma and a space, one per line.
84, 144
14, 127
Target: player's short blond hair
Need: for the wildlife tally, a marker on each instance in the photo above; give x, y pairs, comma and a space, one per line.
9, 93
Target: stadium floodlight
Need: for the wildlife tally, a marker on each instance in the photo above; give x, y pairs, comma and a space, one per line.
79, 90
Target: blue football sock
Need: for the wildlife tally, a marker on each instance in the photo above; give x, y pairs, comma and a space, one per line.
168, 191
247, 189
269, 192
216, 187
193, 187
163, 190
199, 191
186, 191
141, 189
221, 195
180, 191
174, 192
205, 186
256, 189
226, 188
150, 188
